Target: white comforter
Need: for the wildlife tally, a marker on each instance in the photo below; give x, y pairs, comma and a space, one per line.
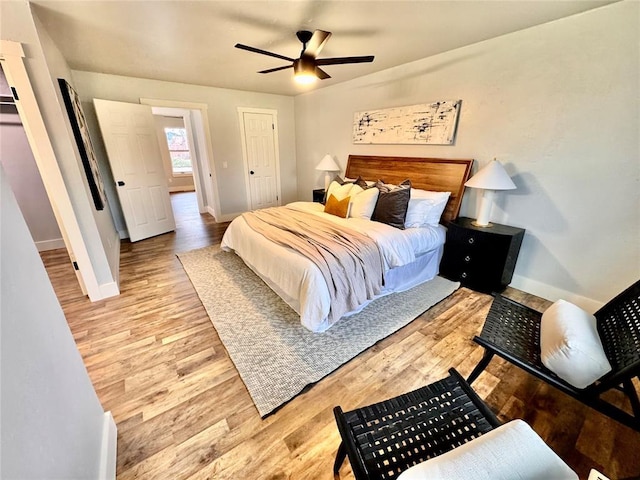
299, 282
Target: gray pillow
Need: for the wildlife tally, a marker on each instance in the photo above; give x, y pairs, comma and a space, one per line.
392, 204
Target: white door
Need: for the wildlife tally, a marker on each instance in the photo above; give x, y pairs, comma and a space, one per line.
261, 159
128, 131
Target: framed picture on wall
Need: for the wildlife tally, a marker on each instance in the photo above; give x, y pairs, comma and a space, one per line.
432, 123
83, 140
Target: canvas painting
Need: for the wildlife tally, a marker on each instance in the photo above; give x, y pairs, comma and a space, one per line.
424, 124
85, 147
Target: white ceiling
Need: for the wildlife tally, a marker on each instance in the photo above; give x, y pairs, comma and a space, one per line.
193, 41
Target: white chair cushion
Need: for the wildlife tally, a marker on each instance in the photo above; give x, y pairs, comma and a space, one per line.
570, 345
511, 451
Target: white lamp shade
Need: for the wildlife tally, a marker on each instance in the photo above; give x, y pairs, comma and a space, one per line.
491, 177
328, 164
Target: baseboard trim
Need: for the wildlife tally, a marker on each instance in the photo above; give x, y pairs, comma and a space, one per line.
52, 244
188, 188
226, 218
109, 448
554, 293
107, 290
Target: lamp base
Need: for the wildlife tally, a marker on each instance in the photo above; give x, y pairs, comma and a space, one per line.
327, 180
476, 224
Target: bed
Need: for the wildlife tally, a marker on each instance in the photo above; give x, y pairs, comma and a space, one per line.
409, 256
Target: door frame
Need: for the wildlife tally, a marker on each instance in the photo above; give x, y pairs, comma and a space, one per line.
11, 56
245, 158
203, 148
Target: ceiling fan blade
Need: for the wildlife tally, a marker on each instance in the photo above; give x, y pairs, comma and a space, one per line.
275, 69
342, 60
317, 42
321, 74
263, 52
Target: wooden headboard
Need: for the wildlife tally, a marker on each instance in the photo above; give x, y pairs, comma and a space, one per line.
434, 174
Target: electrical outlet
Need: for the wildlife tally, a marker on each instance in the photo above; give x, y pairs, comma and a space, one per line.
596, 475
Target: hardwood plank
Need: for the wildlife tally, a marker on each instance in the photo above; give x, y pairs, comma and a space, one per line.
182, 410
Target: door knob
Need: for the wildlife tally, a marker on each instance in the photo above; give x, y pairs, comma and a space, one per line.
251, 172
120, 183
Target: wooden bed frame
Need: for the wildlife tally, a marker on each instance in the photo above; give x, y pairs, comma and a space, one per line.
434, 174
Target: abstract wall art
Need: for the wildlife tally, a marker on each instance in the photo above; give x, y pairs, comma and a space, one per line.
424, 124
83, 140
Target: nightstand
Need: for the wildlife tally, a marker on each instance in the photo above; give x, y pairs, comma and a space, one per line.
318, 195
481, 258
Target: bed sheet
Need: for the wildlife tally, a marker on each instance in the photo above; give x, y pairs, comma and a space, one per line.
299, 282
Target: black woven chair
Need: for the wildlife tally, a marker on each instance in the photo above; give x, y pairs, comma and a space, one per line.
512, 331
384, 439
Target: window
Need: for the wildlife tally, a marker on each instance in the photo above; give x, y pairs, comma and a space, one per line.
179, 151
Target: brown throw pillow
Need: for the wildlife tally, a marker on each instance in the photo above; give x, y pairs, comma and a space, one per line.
339, 208
392, 204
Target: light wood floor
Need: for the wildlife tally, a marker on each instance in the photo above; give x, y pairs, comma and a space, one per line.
183, 412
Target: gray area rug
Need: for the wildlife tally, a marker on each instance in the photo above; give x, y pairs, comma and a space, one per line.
275, 355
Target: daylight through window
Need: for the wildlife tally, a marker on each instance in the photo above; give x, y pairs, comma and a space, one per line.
179, 150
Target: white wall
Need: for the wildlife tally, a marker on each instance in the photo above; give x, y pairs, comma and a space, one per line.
224, 127
98, 228
52, 421
558, 106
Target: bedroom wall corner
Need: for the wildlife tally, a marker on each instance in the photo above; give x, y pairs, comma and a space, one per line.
557, 104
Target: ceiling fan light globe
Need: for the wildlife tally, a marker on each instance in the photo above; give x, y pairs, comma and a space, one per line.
304, 69
305, 78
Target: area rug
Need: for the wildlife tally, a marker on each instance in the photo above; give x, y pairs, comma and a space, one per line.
275, 355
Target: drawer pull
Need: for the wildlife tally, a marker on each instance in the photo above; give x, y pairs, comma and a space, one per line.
471, 240
463, 275
467, 258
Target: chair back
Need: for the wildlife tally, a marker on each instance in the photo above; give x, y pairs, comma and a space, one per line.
619, 330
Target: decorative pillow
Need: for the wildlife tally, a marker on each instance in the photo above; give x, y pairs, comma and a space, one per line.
391, 207
339, 190
363, 203
425, 208
339, 208
362, 184
570, 345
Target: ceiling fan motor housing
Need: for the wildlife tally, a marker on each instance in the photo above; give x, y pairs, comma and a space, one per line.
304, 64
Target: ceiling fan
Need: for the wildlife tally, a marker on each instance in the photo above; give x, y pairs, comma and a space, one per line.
307, 67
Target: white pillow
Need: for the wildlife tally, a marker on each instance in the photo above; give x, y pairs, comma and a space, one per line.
363, 202
570, 345
425, 208
510, 451
339, 191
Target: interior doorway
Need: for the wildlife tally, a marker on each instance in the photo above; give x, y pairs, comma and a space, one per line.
196, 122
259, 134
11, 59
19, 165
181, 162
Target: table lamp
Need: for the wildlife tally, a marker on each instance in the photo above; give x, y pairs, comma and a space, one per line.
491, 178
328, 165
